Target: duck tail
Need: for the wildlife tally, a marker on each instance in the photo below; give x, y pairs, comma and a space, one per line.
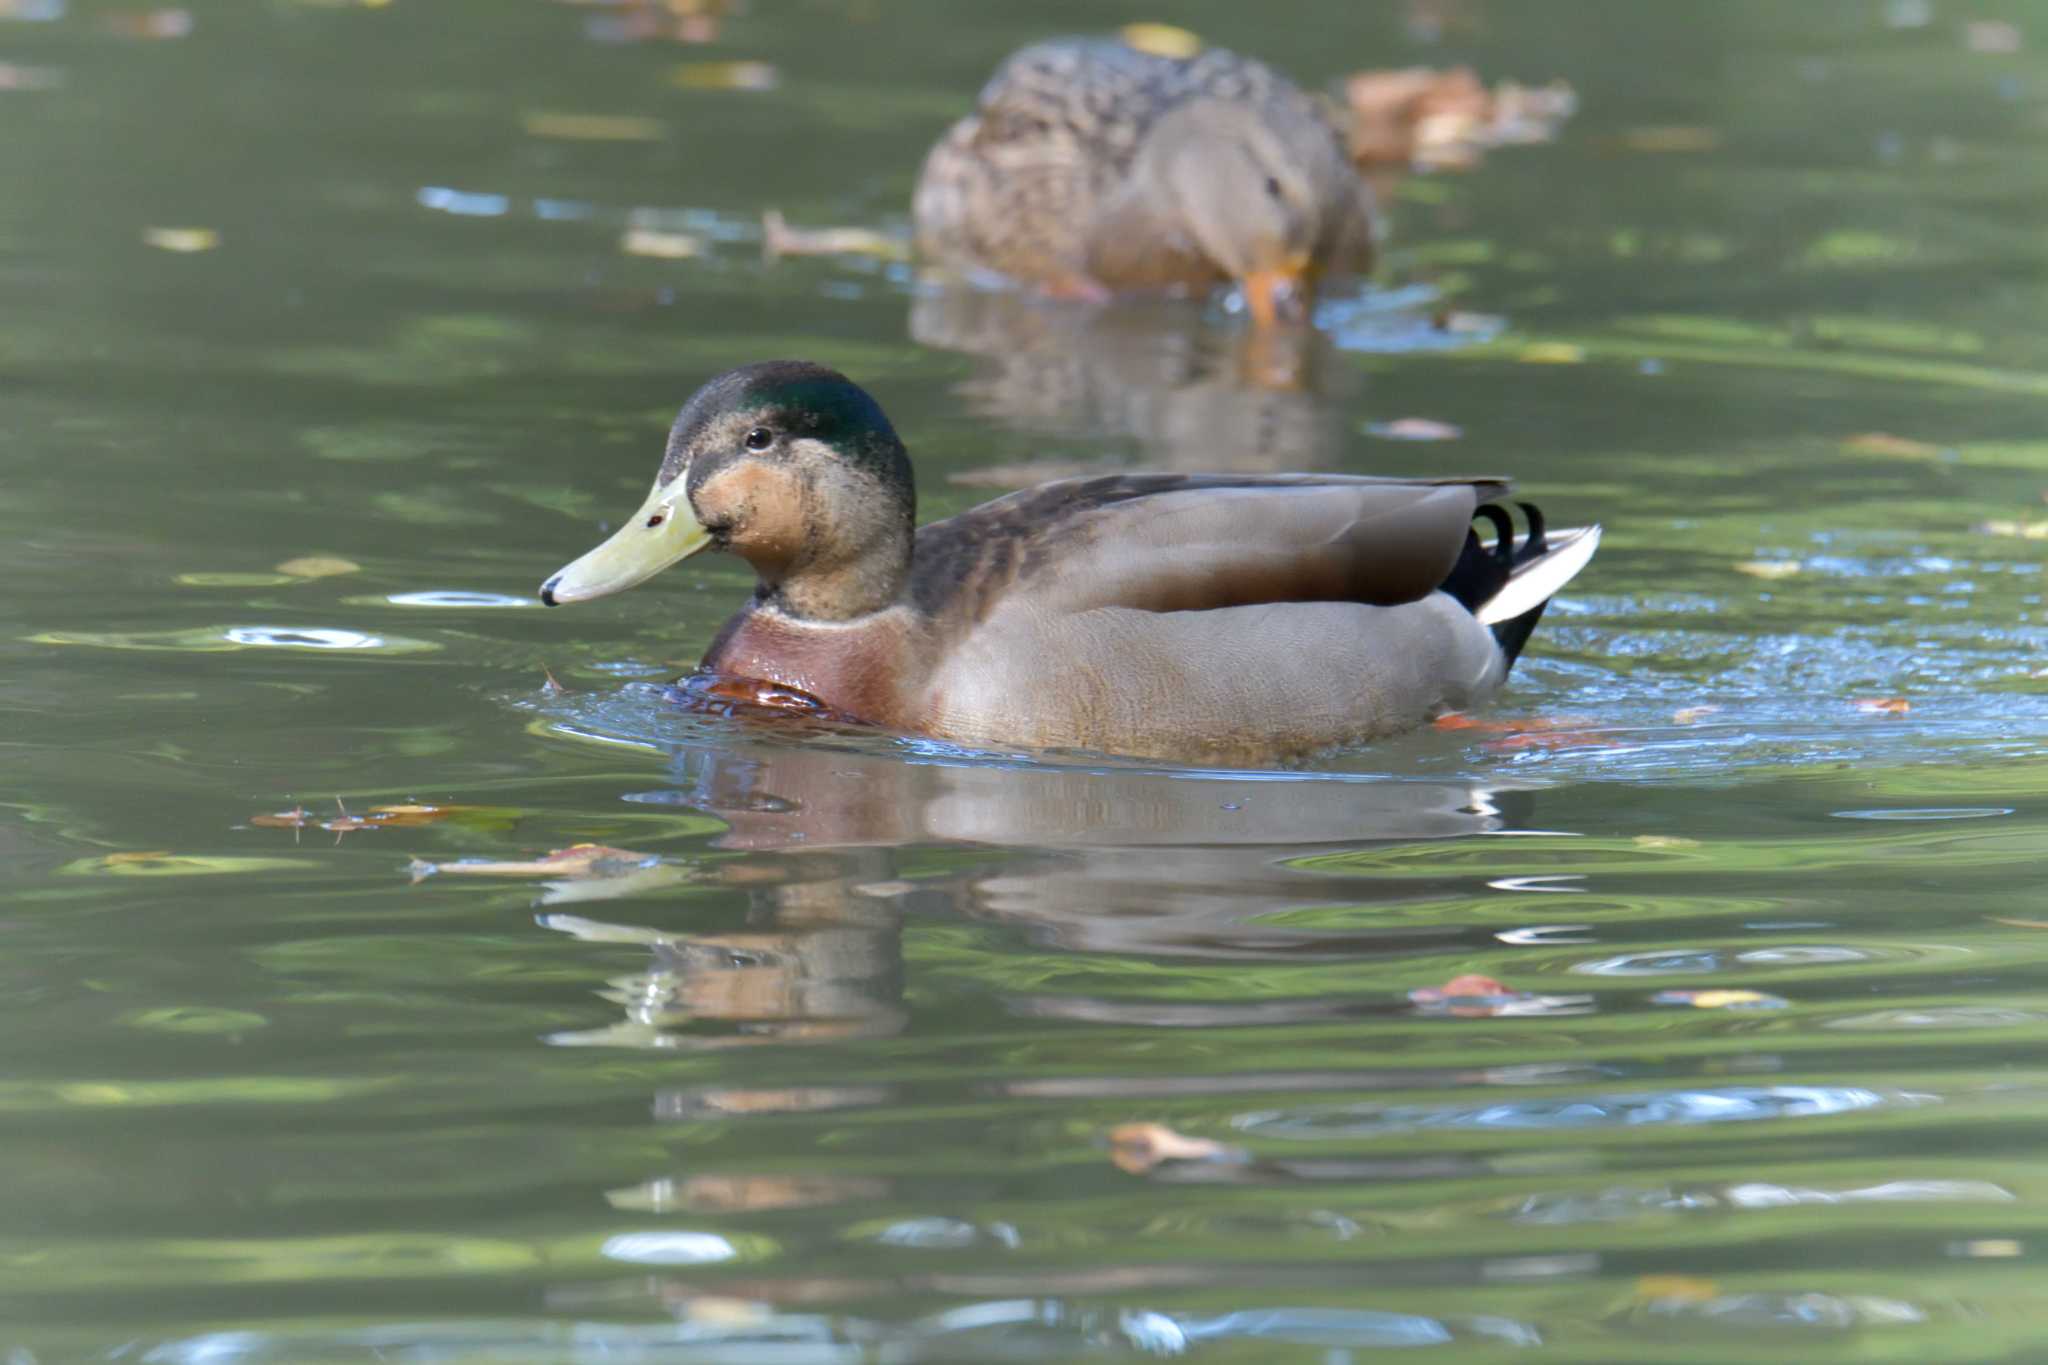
1507, 583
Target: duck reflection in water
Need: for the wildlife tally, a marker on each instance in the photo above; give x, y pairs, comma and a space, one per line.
1100, 860
1191, 395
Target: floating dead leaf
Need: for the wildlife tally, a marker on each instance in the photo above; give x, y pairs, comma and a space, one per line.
1885, 443
1677, 1288
593, 127
727, 76
1552, 353
1768, 568
1992, 36
1693, 715
1161, 40
149, 25
319, 566
2024, 530
673, 246
298, 817
1138, 1147
2019, 923
1882, 706
1669, 138
778, 238
181, 239
577, 860
1446, 120
1720, 1000
1414, 429
1664, 841
550, 684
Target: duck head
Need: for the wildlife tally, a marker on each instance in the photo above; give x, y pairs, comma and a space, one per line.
1251, 192
787, 464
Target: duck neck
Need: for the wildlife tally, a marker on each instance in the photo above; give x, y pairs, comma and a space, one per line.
836, 588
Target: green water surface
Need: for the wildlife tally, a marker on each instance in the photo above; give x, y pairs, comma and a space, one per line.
826, 1069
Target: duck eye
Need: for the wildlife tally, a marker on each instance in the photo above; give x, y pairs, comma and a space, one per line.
657, 519
1273, 186
760, 438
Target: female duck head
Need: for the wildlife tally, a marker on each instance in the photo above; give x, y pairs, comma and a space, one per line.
787, 464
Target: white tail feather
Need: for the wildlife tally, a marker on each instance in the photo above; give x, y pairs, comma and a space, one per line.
1537, 581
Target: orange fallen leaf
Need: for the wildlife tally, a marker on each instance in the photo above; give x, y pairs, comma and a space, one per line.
1887, 706
1138, 1147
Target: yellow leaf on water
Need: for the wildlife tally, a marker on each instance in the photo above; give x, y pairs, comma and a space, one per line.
318, 566
1768, 568
161, 863
593, 127
1552, 353
670, 246
1664, 841
1683, 1288
181, 239
727, 76
1161, 40
2024, 530
778, 238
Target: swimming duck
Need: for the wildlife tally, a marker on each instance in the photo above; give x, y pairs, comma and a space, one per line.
1208, 617
1090, 168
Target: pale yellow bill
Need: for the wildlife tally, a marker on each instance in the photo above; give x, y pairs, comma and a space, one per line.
664, 531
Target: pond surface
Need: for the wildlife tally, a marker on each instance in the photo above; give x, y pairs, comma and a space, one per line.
318, 349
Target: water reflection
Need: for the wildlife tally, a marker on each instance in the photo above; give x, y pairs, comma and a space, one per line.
1089, 860
1192, 395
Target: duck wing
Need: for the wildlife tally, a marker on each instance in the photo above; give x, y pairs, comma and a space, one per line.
1195, 542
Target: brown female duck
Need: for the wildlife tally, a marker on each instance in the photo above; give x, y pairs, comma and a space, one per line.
1186, 616
1089, 168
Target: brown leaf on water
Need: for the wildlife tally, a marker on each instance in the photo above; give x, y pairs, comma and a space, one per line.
592, 127
184, 240
727, 76
149, 25
1161, 40
318, 566
577, 860
1885, 443
1446, 120
778, 239
1882, 706
1138, 1147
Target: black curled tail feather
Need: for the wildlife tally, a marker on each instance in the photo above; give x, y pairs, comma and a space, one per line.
1482, 571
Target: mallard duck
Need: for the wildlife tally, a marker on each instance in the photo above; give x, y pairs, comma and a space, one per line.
1179, 616
1091, 168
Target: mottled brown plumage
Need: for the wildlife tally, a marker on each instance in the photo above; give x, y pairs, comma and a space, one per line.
1210, 616
1090, 167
